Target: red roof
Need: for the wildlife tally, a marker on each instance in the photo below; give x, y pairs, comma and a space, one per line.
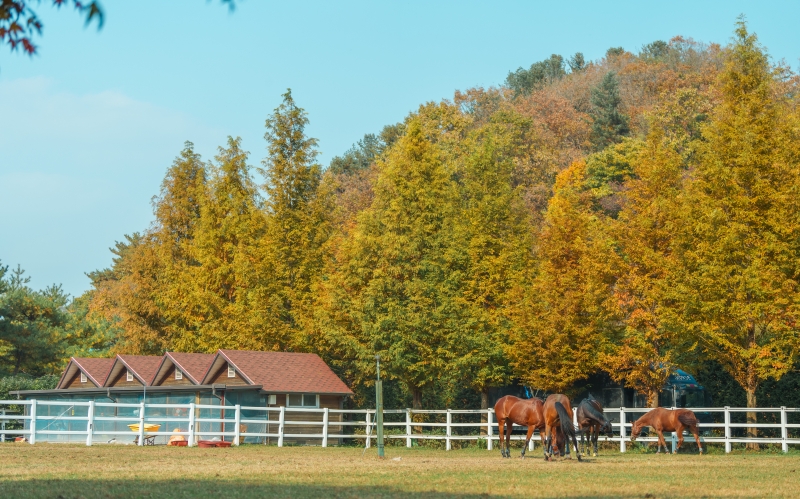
95, 368
194, 365
286, 372
143, 366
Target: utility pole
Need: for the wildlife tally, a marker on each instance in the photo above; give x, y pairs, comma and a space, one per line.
379, 406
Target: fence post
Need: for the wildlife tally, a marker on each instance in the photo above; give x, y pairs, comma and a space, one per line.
237, 418
368, 429
191, 424
489, 418
448, 445
784, 430
3, 436
325, 427
281, 419
141, 424
622, 446
90, 423
408, 428
32, 436
727, 429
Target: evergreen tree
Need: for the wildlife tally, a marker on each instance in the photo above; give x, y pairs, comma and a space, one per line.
394, 294
609, 124
224, 308
298, 210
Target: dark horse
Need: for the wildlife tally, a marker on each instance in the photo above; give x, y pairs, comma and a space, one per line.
558, 417
666, 420
589, 414
512, 410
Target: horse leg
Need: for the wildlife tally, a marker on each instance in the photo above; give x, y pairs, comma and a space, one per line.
680, 439
546, 442
500, 432
660, 440
509, 429
696, 434
527, 439
595, 435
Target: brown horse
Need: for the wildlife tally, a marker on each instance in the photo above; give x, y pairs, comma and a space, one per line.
590, 416
512, 410
558, 417
666, 420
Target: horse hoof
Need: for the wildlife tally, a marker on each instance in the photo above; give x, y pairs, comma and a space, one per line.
594, 454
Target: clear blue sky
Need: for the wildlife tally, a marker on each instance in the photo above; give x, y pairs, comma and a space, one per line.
89, 126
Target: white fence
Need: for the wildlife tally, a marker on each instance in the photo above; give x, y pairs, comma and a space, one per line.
94, 422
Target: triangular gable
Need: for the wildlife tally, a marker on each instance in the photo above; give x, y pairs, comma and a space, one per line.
194, 366
143, 368
220, 361
95, 369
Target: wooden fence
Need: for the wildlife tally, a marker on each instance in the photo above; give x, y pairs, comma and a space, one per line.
95, 422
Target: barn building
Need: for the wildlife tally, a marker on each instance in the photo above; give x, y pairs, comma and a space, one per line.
225, 378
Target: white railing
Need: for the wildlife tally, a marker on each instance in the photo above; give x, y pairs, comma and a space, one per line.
57, 421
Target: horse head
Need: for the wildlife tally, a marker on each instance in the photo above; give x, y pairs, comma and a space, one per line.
607, 429
636, 429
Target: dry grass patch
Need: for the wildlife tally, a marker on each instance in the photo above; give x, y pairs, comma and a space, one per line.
69, 471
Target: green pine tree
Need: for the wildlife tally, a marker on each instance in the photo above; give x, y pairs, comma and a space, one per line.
609, 123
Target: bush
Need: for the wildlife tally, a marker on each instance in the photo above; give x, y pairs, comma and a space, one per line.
23, 382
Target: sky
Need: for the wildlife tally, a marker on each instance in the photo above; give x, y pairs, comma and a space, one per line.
89, 126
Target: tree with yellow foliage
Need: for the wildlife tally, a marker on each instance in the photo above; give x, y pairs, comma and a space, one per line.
738, 248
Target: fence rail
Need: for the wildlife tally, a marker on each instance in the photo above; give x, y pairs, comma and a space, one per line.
32, 419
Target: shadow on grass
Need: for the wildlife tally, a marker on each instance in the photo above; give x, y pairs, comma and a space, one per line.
206, 489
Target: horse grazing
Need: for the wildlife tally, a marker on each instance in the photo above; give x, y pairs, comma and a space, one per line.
512, 410
558, 417
589, 414
667, 420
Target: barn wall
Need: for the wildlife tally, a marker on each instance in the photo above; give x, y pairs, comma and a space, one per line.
75, 382
169, 379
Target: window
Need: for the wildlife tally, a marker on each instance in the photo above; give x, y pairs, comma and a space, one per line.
272, 400
129, 376
231, 371
178, 374
302, 400
83, 377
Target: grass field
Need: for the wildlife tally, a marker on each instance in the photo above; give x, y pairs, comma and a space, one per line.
71, 471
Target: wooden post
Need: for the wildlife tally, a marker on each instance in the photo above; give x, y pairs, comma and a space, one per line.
325, 427
3, 436
141, 424
622, 429
408, 428
237, 418
32, 436
727, 429
784, 430
281, 419
368, 429
448, 445
191, 424
489, 418
90, 423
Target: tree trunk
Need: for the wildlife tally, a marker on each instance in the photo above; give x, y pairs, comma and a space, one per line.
484, 406
751, 416
652, 397
416, 403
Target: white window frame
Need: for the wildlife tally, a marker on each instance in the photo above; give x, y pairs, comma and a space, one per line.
83, 377
231, 371
129, 375
178, 374
315, 406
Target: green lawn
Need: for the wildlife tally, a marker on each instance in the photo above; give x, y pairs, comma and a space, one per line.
109, 471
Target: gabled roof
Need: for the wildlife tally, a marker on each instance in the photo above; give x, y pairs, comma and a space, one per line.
193, 365
95, 369
281, 372
142, 366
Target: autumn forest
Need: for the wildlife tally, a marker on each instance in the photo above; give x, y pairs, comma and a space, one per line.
630, 215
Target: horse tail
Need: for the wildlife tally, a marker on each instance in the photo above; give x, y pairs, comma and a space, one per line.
566, 422
688, 418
